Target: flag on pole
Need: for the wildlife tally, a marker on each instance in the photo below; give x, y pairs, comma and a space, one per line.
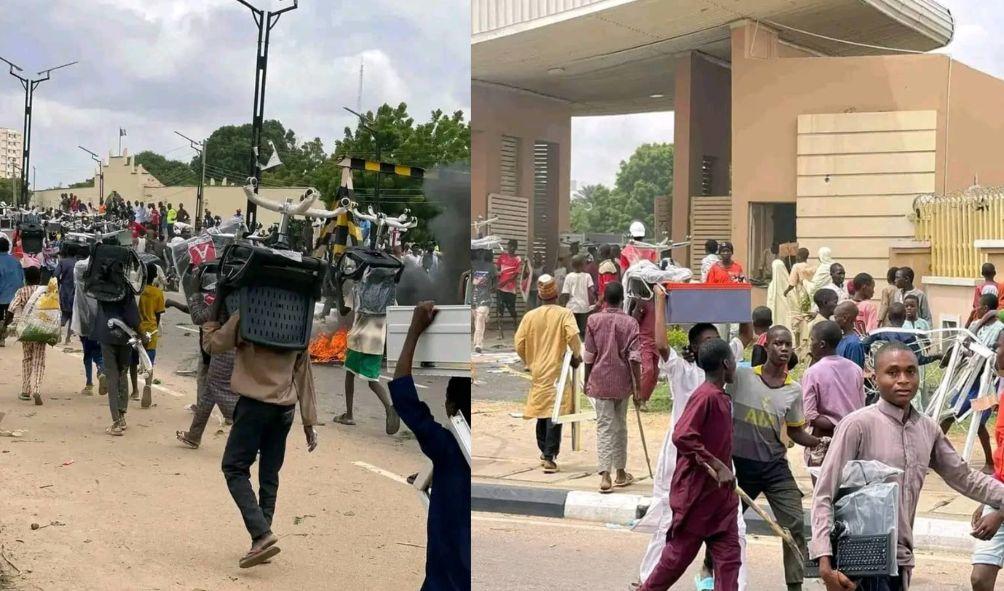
122, 132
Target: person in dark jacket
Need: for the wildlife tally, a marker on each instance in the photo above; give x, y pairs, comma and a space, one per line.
448, 550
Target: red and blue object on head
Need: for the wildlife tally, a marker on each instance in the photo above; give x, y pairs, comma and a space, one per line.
690, 303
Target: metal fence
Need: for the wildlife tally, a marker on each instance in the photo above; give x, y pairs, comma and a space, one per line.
952, 223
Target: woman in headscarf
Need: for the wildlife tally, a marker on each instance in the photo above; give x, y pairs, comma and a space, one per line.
780, 306
822, 276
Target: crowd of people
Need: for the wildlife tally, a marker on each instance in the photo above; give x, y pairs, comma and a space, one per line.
737, 406
256, 387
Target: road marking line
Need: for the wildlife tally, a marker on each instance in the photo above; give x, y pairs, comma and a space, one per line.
382, 472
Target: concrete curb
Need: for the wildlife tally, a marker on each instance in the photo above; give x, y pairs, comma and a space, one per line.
626, 509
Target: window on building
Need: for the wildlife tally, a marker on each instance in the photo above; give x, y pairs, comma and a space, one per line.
770, 224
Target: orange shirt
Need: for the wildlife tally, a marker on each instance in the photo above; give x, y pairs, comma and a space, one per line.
721, 274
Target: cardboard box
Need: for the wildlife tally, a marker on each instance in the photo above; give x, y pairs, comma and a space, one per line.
446, 343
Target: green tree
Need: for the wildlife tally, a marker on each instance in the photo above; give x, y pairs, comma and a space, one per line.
228, 154
168, 172
647, 174
443, 140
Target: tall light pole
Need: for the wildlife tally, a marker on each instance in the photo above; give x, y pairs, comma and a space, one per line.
29, 85
364, 123
265, 19
199, 147
101, 173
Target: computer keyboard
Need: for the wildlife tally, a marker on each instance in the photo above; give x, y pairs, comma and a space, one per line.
864, 555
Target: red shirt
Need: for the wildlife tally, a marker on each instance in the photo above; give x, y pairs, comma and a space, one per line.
508, 266
137, 229
155, 217
610, 348
703, 432
720, 274
632, 253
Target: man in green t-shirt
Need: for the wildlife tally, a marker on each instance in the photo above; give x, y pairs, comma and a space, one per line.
765, 401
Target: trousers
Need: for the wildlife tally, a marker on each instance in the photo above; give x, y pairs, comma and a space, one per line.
259, 430
548, 438
480, 323
92, 355
681, 549
32, 367
775, 481
611, 433
117, 359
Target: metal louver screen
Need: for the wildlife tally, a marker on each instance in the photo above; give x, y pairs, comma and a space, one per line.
710, 219
509, 165
545, 199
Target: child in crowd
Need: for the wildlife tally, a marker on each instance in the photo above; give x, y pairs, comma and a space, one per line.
850, 347
33, 361
151, 308
864, 290
911, 305
888, 295
702, 495
578, 294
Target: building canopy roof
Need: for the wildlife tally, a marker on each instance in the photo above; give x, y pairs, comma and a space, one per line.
618, 56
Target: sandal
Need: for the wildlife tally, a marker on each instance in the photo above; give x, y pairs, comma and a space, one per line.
343, 419
23, 396
114, 430
628, 481
183, 437
253, 558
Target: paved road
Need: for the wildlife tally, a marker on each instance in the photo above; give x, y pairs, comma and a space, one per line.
535, 554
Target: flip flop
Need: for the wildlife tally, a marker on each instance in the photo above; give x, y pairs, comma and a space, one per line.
343, 420
607, 490
259, 557
704, 584
627, 482
182, 437
23, 396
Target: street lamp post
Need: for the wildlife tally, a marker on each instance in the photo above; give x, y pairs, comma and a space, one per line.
199, 147
364, 123
29, 85
101, 173
265, 19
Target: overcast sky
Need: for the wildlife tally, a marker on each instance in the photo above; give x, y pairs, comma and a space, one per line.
600, 143
188, 65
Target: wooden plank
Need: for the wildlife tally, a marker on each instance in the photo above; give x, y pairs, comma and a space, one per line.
868, 205
856, 122
831, 164
867, 142
866, 184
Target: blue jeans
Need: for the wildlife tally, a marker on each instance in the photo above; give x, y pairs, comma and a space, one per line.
92, 354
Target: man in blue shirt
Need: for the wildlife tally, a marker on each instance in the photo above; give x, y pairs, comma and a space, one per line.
448, 550
850, 346
11, 279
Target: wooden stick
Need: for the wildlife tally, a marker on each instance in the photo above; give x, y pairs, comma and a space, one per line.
644, 445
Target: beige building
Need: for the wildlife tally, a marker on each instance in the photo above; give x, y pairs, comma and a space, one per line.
11, 150
131, 181
781, 133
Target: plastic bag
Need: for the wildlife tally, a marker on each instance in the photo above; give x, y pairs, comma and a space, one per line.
38, 325
49, 300
860, 473
375, 291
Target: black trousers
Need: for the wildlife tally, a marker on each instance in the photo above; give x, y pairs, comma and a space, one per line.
548, 438
259, 427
